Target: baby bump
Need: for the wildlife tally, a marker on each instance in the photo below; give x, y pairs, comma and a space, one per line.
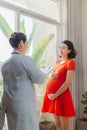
52, 86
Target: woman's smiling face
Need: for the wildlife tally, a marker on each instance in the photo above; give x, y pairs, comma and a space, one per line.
63, 50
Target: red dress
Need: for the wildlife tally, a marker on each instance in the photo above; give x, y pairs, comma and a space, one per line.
63, 104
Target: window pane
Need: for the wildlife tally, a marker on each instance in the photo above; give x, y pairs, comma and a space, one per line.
49, 8
42, 40
6, 28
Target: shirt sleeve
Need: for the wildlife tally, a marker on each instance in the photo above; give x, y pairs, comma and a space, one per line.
71, 65
33, 72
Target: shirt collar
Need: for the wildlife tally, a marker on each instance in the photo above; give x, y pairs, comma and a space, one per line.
16, 52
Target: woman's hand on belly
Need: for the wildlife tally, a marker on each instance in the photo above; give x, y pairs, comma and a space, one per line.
53, 76
51, 96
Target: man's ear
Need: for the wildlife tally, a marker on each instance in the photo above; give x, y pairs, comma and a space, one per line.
21, 44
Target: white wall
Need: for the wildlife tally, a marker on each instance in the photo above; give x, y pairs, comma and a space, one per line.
84, 40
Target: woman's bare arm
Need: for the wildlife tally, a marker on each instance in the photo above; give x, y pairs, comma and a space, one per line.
66, 84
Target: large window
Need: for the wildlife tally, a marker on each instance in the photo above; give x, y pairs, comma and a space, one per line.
41, 28
49, 8
38, 28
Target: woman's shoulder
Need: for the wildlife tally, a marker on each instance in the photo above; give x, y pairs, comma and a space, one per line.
71, 61
71, 65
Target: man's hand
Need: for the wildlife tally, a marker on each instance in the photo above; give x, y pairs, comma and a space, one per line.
53, 76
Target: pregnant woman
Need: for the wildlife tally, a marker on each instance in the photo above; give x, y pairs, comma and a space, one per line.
57, 97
